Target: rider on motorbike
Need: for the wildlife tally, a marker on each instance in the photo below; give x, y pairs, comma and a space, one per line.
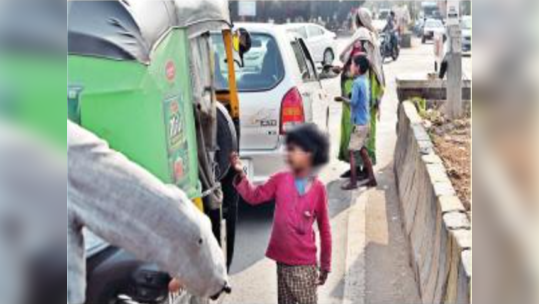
391, 27
390, 41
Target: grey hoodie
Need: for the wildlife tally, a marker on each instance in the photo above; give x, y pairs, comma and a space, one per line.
130, 208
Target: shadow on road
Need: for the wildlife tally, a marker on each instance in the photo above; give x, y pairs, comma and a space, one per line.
252, 235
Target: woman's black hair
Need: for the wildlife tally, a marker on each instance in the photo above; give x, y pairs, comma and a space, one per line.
358, 21
310, 139
362, 62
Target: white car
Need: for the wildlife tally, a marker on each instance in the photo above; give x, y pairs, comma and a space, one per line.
431, 27
277, 88
321, 42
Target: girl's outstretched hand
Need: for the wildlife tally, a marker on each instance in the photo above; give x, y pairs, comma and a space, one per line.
322, 277
236, 163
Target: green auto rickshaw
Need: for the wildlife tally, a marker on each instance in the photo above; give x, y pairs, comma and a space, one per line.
141, 74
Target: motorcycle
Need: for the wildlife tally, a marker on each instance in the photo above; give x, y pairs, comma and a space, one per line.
116, 277
389, 45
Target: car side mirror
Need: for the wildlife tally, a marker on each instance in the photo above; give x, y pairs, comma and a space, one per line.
329, 71
242, 43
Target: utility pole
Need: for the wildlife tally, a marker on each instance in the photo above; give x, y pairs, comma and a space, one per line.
453, 104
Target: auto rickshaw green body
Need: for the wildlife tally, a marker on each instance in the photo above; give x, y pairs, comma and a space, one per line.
140, 76
143, 110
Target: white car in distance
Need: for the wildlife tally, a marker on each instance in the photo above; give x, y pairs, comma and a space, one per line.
431, 27
320, 41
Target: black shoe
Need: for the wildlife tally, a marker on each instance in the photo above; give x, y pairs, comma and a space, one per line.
346, 174
361, 174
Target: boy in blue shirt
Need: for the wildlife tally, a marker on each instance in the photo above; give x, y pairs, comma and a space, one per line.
360, 117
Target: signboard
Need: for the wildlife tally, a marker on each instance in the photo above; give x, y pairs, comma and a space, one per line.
455, 38
247, 8
453, 12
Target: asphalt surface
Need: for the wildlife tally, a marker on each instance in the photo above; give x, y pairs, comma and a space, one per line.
370, 258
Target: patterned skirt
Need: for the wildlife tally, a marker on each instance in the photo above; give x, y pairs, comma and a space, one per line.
297, 284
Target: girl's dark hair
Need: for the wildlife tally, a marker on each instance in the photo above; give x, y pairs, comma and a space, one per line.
310, 139
362, 62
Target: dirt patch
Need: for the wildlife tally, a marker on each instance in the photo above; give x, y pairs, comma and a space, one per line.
452, 142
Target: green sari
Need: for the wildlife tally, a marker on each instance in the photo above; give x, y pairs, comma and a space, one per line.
346, 124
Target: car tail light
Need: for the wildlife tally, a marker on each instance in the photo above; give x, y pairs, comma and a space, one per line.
292, 113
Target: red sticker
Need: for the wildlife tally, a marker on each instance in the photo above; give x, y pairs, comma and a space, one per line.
174, 107
178, 169
170, 70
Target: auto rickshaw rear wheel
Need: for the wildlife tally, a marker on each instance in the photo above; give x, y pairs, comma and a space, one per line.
227, 143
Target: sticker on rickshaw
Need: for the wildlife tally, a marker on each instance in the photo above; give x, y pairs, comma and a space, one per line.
178, 149
175, 124
170, 70
178, 169
179, 161
73, 103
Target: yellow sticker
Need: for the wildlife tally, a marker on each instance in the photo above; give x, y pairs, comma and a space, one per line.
236, 42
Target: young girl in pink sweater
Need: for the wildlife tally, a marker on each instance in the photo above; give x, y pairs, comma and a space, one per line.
300, 200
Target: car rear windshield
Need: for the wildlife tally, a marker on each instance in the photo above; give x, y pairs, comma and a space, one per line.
262, 65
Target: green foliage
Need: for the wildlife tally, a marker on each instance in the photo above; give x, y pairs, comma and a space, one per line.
420, 105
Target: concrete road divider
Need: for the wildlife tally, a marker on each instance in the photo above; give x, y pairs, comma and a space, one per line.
434, 219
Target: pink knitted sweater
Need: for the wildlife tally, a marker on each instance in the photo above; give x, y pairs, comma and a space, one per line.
293, 240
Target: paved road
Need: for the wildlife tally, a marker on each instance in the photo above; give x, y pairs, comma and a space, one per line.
369, 245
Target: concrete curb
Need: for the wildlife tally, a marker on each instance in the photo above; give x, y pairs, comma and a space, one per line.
418, 85
354, 276
434, 220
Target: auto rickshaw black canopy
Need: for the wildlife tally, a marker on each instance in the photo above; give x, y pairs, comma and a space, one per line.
129, 29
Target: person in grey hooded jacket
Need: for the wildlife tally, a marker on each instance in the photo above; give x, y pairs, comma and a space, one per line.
128, 207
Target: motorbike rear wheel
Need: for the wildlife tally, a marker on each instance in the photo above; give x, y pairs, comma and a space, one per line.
395, 52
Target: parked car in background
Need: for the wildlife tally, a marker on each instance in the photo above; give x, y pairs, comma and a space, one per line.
466, 26
321, 42
277, 89
418, 26
431, 27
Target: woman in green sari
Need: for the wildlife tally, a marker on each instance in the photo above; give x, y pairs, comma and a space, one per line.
364, 40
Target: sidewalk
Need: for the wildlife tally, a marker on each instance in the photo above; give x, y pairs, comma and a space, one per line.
377, 268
